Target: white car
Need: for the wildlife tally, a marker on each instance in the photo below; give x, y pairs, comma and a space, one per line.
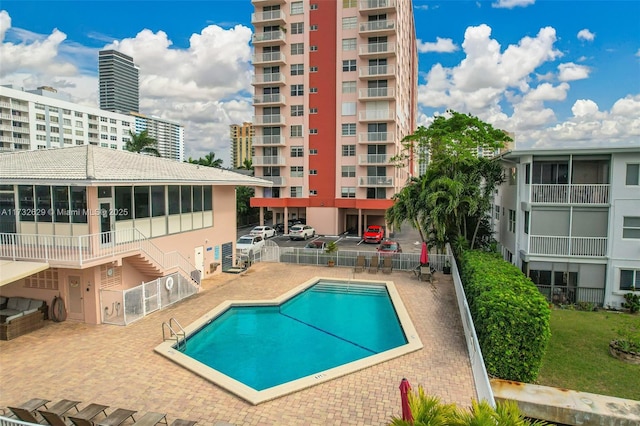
301, 232
264, 231
249, 244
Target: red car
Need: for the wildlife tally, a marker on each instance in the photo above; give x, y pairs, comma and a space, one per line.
389, 247
374, 234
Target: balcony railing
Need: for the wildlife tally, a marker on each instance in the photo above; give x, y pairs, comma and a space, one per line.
570, 193
269, 78
262, 3
264, 120
273, 98
269, 16
376, 93
383, 27
376, 115
376, 181
369, 159
268, 36
268, 58
378, 49
270, 140
271, 160
565, 295
377, 71
277, 180
568, 246
376, 5
376, 137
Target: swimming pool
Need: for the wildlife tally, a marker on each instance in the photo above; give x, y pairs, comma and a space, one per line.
321, 330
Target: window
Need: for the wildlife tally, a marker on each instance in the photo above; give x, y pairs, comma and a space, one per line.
297, 69
296, 192
313, 131
348, 87
313, 48
349, 129
297, 110
297, 28
297, 48
348, 171
141, 201
348, 192
513, 176
54, 119
313, 90
124, 202
313, 152
297, 171
631, 227
512, 220
349, 23
112, 120
630, 279
313, 6
297, 8
349, 3
41, 127
633, 174
348, 150
348, 108
526, 222
296, 131
40, 117
313, 110
157, 201
185, 199
313, 172
313, 192
348, 44
207, 199
197, 198
78, 204
376, 193
297, 151
349, 65
313, 69
313, 27
497, 216
297, 89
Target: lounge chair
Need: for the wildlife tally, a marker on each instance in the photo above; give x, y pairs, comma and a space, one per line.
151, 419
54, 415
24, 415
387, 265
360, 264
116, 418
182, 422
425, 274
53, 419
373, 265
87, 414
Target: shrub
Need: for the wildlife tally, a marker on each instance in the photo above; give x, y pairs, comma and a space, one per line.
510, 315
632, 302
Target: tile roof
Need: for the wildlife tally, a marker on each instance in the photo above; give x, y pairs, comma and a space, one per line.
91, 163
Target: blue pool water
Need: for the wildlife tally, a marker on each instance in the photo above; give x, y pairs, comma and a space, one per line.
328, 325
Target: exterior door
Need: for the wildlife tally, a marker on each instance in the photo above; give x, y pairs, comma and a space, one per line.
106, 222
76, 298
199, 260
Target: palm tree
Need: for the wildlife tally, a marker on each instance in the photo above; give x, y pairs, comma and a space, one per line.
210, 160
142, 143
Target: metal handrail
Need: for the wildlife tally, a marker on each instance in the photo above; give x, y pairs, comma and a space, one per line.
174, 333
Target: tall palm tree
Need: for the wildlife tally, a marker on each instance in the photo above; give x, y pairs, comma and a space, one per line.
142, 143
210, 160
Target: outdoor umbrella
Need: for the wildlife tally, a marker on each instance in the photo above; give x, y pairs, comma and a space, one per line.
424, 254
406, 409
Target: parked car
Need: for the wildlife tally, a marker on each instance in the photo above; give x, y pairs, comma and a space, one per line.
264, 231
388, 247
374, 234
301, 232
316, 245
249, 244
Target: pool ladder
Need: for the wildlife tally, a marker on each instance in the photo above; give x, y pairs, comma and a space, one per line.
175, 334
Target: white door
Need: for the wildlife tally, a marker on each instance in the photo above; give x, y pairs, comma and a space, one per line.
199, 260
76, 298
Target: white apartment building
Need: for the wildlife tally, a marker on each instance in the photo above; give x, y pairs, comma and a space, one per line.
570, 219
42, 118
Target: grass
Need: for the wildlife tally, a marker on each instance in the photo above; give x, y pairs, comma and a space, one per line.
578, 354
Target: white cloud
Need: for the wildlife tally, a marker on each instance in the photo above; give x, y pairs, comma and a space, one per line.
571, 72
586, 35
510, 4
638, 53
442, 45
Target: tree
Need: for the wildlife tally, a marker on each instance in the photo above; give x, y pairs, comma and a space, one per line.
142, 143
245, 213
247, 164
210, 160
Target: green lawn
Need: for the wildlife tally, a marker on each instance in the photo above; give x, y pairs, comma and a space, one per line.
578, 354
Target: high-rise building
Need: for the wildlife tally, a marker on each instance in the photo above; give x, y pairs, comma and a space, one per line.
241, 143
119, 86
168, 134
335, 93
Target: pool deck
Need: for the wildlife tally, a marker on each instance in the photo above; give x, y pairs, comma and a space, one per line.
117, 366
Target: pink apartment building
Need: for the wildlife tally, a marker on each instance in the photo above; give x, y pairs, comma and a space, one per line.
335, 93
87, 224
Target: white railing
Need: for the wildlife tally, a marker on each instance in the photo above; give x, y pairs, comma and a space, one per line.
271, 160
276, 180
271, 15
365, 5
268, 78
272, 98
377, 48
375, 26
374, 137
268, 36
377, 92
268, 140
373, 159
568, 246
268, 57
81, 249
570, 193
381, 181
387, 115
377, 71
5, 421
268, 119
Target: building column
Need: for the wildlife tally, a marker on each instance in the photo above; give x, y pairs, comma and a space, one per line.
285, 220
261, 216
360, 223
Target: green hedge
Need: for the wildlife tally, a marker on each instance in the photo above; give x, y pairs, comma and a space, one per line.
511, 316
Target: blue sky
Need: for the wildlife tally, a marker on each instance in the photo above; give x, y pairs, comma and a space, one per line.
554, 72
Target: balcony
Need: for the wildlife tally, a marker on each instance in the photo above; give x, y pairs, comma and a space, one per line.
270, 37
376, 115
271, 160
262, 3
377, 50
268, 120
372, 28
376, 93
372, 138
376, 6
268, 58
377, 72
272, 99
570, 193
271, 79
276, 180
268, 140
271, 17
373, 159
568, 246
376, 181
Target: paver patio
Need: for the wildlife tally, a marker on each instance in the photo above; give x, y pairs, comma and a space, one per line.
117, 366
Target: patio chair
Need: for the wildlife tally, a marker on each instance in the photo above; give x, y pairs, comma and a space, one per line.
182, 422
87, 414
53, 419
116, 418
360, 264
387, 265
373, 265
151, 419
425, 274
24, 415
